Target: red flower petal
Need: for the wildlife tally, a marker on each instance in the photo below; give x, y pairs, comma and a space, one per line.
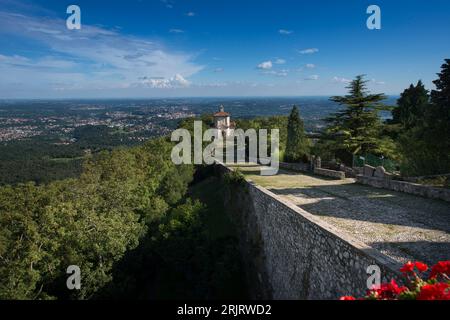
442, 267
408, 267
438, 291
422, 267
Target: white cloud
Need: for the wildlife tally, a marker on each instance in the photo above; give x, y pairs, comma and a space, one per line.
278, 73
280, 61
341, 80
211, 85
285, 32
176, 31
178, 81
266, 65
308, 51
44, 62
90, 58
217, 70
310, 66
281, 73
168, 4
190, 14
313, 77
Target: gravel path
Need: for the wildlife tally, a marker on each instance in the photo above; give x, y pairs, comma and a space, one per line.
402, 226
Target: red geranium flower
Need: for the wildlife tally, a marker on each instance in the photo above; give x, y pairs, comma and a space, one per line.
442, 267
436, 288
422, 267
408, 267
389, 290
438, 291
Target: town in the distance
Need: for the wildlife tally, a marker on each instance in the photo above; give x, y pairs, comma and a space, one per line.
59, 133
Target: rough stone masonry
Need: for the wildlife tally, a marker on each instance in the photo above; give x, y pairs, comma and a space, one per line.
292, 253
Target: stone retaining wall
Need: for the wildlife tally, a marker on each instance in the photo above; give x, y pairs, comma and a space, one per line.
407, 187
330, 173
302, 167
289, 253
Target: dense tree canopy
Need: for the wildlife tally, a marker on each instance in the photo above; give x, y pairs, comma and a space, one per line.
90, 222
411, 106
438, 119
128, 222
425, 142
297, 144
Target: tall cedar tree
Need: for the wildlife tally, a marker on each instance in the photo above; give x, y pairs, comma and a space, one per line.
411, 106
297, 144
357, 128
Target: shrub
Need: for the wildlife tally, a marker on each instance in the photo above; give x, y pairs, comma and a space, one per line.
234, 177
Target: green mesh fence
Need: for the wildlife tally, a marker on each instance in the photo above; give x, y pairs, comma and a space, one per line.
374, 161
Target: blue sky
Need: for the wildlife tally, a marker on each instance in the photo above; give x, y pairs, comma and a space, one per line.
169, 48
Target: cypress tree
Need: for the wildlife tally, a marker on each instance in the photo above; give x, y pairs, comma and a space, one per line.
297, 144
411, 106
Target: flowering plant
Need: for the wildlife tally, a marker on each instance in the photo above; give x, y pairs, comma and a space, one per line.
436, 287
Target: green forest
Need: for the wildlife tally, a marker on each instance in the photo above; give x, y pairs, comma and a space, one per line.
43, 159
137, 226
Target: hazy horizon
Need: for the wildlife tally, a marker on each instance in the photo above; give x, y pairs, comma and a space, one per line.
389, 96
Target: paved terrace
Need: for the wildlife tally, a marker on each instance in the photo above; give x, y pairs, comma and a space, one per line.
402, 226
